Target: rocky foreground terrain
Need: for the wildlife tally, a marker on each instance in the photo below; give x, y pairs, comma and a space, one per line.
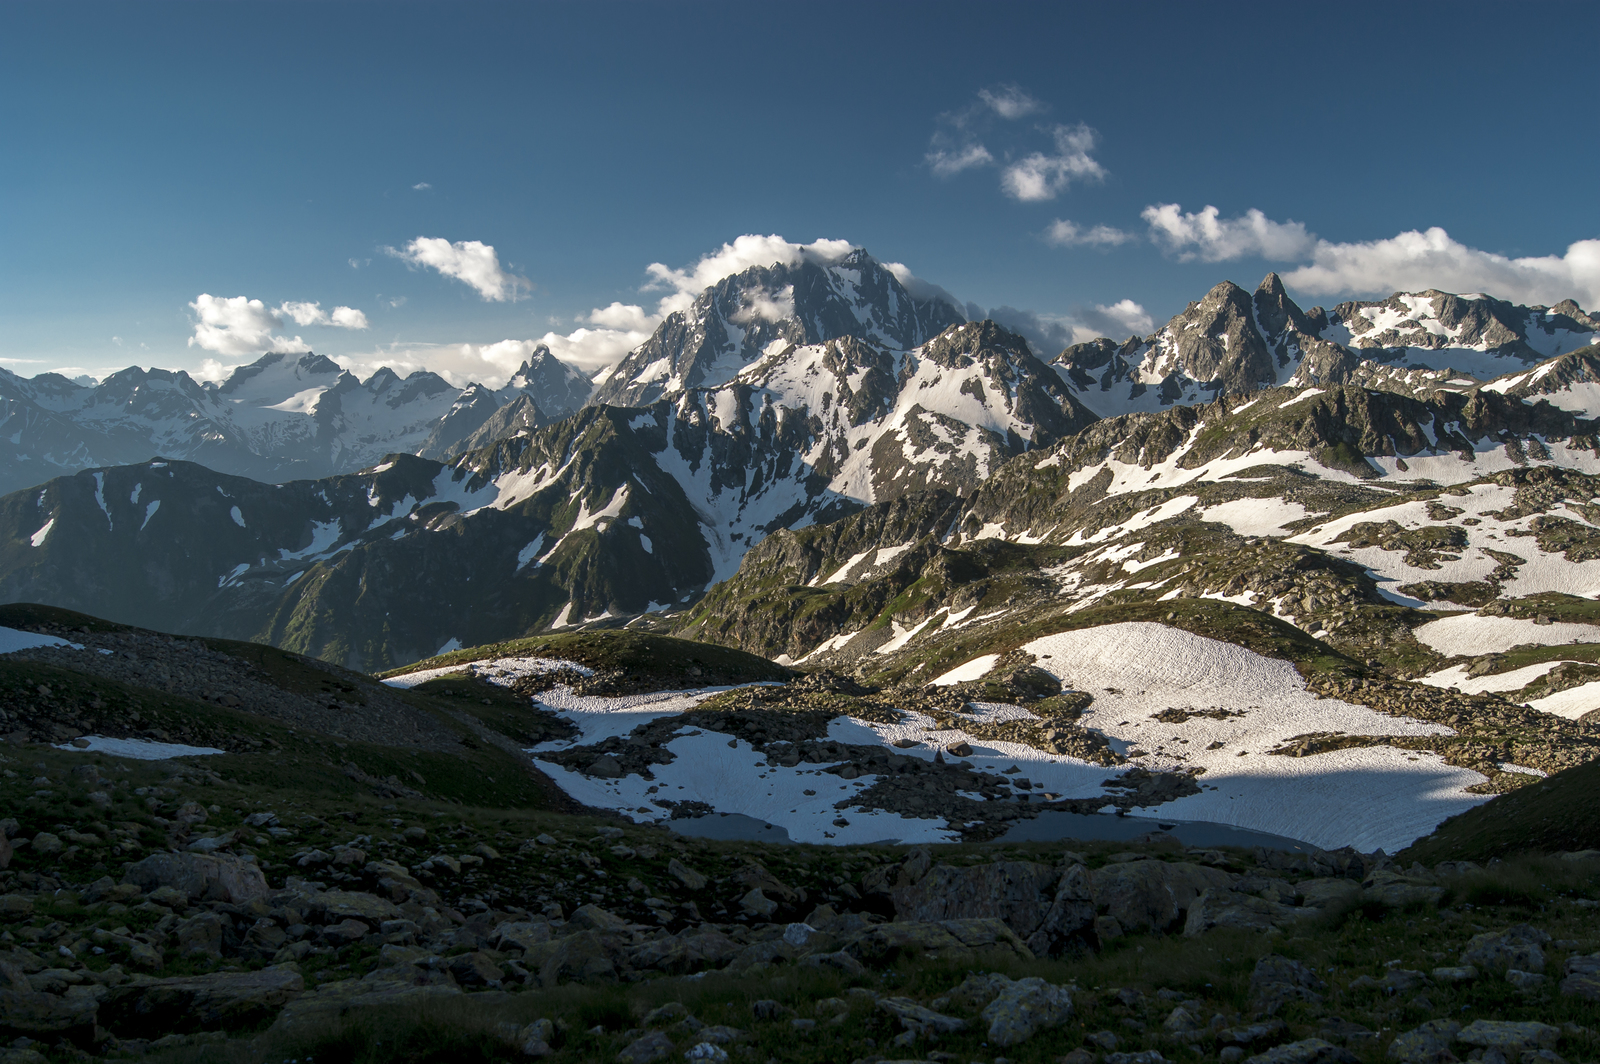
208, 856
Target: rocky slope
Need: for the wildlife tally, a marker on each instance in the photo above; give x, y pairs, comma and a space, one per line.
281, 417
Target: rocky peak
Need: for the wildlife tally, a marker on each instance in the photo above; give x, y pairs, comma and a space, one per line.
555, 387
740, 318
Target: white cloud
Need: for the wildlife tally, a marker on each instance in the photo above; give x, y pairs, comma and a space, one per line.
761, 305
313, 314
1043, 177
1407, 262
1119, 320
946, 162
421, 186
1009, 101
470, 261
746, 251
1065, 234
1412, 261
347, 318
238, 327
304, 313
624, 316
1211, 238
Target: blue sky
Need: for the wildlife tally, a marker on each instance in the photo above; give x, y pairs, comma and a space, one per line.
153, 153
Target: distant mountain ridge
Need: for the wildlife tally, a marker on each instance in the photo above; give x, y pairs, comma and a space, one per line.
278, 418
1233, 342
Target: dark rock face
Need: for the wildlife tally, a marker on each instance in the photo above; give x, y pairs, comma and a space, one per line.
150, 1008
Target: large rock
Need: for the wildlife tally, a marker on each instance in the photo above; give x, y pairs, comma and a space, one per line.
1024, 1008
1428, 1044
918, 1019
1511, 1038
337, 905
955, 939
1583, 977
1244, 912
586, 957
203, 877
1277, 981
1309, 1051
1399, 891
386, 987
149, 1008
1153, 895
688, 951
1045, 907
33, 1014
1517, 947
1017, 892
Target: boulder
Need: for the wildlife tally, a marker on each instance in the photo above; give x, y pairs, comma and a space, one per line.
684, 874
691, 950
1428, 1044
1278, 980
1308, 1051
200, 936
201, 877
1517, 947
149, 1008
521, 934
650, 1047
396, 882
882, 943
34, 1014
1244, 912
594, 918
1511, 1038
1583, 977
1023, 1009
384, 987
1017, 892
919, 1020
337, 905
1399, 891
586, 957
755, 903
1153, 895
1326, 891
1252, 1033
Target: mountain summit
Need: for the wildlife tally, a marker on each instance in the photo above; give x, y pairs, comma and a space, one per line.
734, 322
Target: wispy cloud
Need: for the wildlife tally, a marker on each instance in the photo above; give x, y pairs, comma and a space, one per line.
1209, 237
472, 262
948, 162
421, 186
1064, 234
313, 314
1009, 101
1045, 175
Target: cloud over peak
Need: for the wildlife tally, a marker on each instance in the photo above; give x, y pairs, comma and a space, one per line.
471, 262
241, 327
1410, 261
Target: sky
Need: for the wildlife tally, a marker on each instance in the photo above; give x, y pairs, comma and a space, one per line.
446, 185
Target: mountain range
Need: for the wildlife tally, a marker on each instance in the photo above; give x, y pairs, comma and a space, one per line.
279, 418
784, 398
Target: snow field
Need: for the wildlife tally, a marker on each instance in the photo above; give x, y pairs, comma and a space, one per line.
138, 749
1515, 680
12, 640
1470, 635
1368, 797
1571, 703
